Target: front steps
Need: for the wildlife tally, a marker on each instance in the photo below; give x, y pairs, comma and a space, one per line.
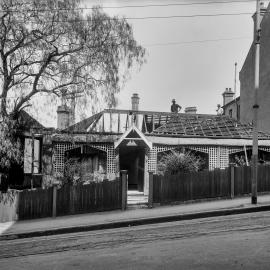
136, 199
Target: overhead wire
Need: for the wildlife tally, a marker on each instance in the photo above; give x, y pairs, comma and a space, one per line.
194, 41
149, 5
153, 17
140, 6
189, 16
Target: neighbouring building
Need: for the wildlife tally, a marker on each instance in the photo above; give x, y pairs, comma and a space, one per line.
247, 78
31, 134
241, 108
231, 105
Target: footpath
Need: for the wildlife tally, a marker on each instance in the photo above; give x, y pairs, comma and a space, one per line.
130, 217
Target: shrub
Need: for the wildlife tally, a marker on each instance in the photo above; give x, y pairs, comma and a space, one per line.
174, 162
75, 173
10, 146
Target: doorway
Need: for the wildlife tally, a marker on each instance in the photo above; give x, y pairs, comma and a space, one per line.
132, 159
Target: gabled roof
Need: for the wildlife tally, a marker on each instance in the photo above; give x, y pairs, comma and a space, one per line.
236, 100
26, 121
199, 125
133, 133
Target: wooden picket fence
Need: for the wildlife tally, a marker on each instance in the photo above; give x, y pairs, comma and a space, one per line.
94, 197
36, 203
67, 200
230, 182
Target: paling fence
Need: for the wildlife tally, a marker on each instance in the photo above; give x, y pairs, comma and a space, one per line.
39, 203
35, 203
230, 182
112, 195
102, 196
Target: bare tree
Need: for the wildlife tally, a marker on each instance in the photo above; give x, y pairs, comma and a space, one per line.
54, 47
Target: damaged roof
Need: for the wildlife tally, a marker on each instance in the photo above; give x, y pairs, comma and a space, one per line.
115, 121
119, 121
215, 126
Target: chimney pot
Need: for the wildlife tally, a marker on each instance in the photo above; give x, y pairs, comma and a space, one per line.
191, 110
228, 96
263, 11
135, 102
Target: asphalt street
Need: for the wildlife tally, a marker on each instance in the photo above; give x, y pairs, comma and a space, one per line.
230, 242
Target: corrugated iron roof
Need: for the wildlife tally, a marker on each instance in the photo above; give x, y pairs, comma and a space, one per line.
187, 125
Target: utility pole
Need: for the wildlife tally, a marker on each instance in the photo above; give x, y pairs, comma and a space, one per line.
235, 75
33, 157
254, 168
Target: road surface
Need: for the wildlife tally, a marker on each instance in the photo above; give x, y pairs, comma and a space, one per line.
232, 242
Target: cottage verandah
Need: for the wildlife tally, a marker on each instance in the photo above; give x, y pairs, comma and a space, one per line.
133, 140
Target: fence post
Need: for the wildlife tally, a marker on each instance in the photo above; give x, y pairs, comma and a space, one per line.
124, 189
232, 180
151, 191
54, 199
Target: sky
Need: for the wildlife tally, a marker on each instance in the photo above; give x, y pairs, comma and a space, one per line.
195, 74
190, 59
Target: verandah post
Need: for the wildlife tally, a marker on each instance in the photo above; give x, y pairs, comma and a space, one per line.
232, 180
54, 199
124, 189
151, 191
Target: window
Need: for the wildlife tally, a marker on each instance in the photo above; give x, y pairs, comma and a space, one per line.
28, 156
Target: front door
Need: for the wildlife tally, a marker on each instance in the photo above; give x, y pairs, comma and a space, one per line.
132, 159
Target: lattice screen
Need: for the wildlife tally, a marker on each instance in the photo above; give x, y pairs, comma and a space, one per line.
152, 159
111, 159
218, 155
233, 150
163, 148
267, 149
203, 149
59, 154
152, 156
224, 157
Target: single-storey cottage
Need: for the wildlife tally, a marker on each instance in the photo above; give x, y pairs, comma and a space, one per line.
134, 140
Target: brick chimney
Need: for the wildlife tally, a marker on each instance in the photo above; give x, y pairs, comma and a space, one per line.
228, 96
191, 110
263, 10
135, 102
63, 116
